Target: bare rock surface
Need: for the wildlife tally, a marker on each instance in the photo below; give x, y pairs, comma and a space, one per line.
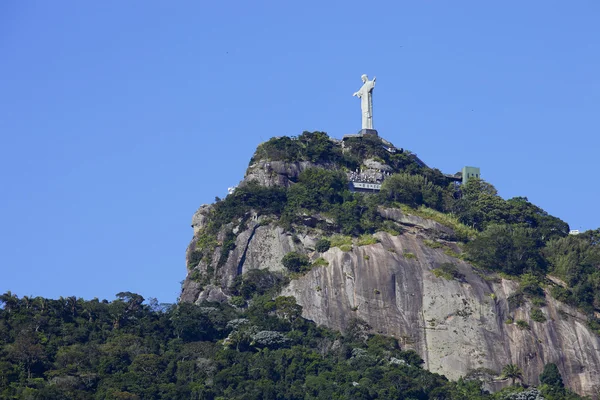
374, 164
458, 326
278, 173
200, 217
435, 228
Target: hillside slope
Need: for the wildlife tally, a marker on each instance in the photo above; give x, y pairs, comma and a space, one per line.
408, 280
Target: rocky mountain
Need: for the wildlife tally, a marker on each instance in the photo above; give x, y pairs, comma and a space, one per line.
398, 262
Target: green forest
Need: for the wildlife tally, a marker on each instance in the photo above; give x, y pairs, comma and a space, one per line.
130, 348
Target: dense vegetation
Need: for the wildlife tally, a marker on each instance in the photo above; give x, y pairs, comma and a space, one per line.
128, 349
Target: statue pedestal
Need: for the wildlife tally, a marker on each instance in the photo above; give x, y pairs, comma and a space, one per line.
368, 132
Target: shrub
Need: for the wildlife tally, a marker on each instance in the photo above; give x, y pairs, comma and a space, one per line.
530, 285
448, 271
537, 315
346, 247
295, 262
309, 146
366, 239
522, 325
257, 282
391, 227
322, 245
538, 301
510, 249
194, 259
320, 262
228, 245
463, 233
237, 301
413, 190
409, 256
449, 252
551, 376
197, 276
340, 240
317, 189
433, 244
515, 300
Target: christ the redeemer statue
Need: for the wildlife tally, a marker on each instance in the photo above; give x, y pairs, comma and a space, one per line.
365, 93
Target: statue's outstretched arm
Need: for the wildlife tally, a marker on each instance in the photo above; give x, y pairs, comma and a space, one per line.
357, 94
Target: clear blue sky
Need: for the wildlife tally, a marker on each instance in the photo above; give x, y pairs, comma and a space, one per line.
119, 118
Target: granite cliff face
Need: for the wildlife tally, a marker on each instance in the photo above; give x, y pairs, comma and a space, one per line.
458, 326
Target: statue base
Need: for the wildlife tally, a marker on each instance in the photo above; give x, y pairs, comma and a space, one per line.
368, 132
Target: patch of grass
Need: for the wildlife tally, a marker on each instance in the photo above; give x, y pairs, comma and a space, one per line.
449, 252
448, 271
509, 321
204, 249
366, 239
537, 315
226, 247
366, 257
516, 300
196, 276
463, 232
409, 255
340, 240
433, 244
346, 247
523, 325
320, 262
538, 301
392, 228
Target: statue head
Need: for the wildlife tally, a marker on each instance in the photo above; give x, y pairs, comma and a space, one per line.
364, 78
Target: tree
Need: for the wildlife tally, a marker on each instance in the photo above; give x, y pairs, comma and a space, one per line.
512, 372
9, 301
510, 249
190, 323
480, 205
413, 190
322, 245
551, 376
295, 262
286, 308
27, 351
521, 211
317, 189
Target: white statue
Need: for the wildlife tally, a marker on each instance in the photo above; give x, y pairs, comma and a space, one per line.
365, 93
